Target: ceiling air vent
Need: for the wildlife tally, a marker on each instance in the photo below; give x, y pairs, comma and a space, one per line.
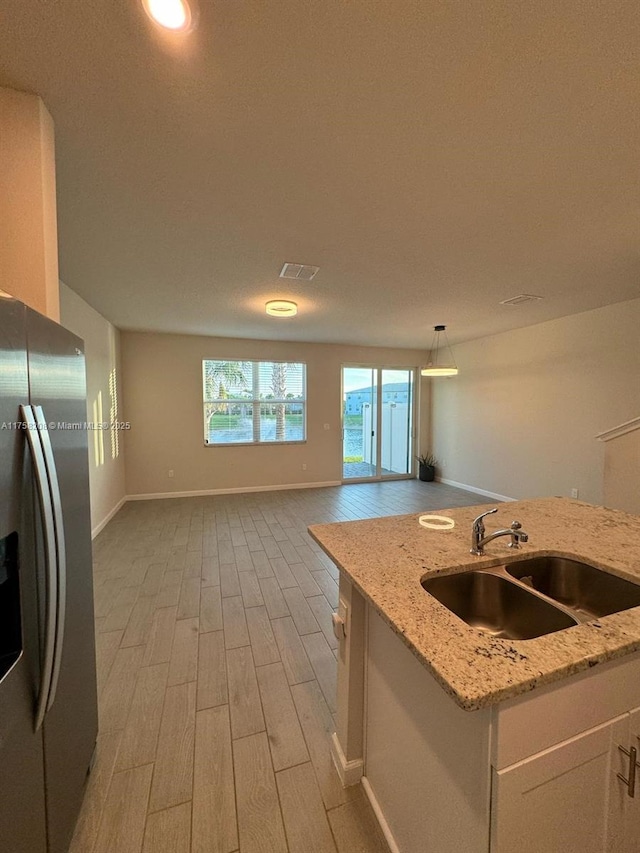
303, 272
520, 300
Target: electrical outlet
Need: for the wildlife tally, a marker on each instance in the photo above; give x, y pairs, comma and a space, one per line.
304, 466
170, 473
327, 426
574, 493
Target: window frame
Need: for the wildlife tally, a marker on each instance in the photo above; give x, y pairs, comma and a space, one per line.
254, 401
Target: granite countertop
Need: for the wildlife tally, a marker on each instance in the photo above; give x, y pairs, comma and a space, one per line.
385, 558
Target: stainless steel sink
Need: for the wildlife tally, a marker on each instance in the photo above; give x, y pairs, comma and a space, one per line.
532, 597
588, 591
497, 605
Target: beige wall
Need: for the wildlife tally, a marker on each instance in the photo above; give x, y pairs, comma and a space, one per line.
29, 241
622, 472
521, 416
163, 400
102, 345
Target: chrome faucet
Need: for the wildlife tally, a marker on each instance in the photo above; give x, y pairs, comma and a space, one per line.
479, 540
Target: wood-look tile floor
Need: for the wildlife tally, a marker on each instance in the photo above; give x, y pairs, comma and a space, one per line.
217, 674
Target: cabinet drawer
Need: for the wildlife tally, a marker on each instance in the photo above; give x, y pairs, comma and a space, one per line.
536, 721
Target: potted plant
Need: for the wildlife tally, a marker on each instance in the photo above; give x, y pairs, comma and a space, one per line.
427, 471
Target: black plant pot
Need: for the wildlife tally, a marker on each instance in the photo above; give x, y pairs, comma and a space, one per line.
426, 473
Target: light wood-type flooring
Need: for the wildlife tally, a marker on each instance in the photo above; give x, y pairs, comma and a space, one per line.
217, 674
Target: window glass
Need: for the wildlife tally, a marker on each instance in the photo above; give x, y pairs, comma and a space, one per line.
253, 402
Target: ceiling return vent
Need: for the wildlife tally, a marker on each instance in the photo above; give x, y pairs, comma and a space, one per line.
303, 272
520, 300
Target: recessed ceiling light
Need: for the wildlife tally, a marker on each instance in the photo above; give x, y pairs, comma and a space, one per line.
281, 308
171, 14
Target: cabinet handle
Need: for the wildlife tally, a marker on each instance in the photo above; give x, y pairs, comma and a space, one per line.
632, 755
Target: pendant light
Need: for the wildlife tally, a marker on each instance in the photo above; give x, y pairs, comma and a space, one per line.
442, 362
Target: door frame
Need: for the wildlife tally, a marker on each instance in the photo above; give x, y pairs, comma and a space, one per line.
413, 409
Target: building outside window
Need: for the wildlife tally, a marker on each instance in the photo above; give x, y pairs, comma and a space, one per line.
391, 392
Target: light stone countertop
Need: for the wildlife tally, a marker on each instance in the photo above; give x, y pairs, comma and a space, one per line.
386, 558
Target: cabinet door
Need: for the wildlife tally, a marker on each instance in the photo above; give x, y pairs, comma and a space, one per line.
620, 804
557, 800
633, 805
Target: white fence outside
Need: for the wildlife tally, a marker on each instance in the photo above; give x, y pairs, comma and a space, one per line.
395, 437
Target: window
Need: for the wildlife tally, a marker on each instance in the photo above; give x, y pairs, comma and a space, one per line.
254, 402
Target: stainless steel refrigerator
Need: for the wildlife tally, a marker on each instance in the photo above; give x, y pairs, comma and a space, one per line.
48, 708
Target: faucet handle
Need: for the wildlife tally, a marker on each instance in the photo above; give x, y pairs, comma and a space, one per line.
515, 525
477, 532
477, 522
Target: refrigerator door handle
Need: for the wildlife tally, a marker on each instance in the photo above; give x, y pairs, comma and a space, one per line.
46, 512
61, 554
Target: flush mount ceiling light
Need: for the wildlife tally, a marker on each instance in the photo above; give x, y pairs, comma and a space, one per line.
442, 361
173, 15
281, 308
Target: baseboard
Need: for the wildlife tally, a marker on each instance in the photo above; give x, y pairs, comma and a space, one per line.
382, 823
494, 495
108, 517
236, 491
350, 772
277, 488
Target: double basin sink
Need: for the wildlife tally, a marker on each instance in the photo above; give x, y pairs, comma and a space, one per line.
531, 597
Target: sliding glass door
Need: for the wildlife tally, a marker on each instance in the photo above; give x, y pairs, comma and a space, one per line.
359, 422
377, 422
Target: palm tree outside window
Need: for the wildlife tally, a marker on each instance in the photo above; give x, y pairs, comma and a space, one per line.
253, 402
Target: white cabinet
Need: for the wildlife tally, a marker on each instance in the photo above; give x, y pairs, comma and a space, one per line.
535, 774
568, 797
631, 807
538, 773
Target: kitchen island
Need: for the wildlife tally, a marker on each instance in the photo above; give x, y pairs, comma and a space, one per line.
468, 742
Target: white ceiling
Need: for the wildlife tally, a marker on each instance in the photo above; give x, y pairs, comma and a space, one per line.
432, 158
